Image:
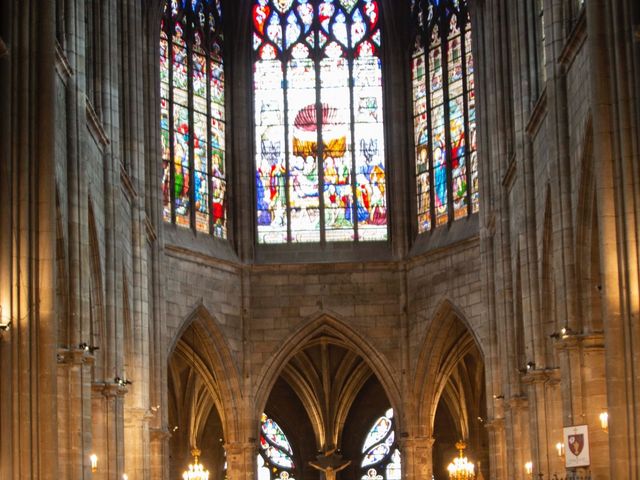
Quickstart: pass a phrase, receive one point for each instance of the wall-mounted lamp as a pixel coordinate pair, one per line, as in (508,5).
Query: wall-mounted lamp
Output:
(528,468)
(122,382)
(88,348)
(560,449)
(564,333)
(529,367)
(94,462)
(498,397)
(604,421)
(125,476)
(5,325)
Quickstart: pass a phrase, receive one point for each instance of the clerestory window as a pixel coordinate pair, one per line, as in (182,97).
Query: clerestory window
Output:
(192,116)
(320,173)
(444,113)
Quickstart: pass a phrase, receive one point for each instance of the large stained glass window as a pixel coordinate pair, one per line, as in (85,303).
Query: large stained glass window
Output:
(275,460)
(319,154)
(192,118)
(381,457)
(444,113)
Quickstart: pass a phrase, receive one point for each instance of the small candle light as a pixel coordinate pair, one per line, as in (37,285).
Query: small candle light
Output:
(604,421)
(94,462)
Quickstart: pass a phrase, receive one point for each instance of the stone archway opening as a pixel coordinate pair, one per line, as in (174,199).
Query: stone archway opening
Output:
(326,399)
(195,415)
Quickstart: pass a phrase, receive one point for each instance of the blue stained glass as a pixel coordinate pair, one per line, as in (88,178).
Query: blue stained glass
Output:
(293,30)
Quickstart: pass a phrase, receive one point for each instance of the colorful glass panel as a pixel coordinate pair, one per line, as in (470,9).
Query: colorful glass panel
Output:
(320,162)
(192,122)
(276,454)
(381,458)
(444,113)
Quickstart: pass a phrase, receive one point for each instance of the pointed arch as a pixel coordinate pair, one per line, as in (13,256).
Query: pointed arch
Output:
(215,363)
(338,332)
(448,339)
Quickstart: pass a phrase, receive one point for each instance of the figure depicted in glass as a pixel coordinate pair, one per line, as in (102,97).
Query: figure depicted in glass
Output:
(192,118)
(320,171)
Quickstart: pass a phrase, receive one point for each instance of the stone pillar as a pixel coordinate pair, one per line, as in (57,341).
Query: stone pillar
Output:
(497,450)
(107,400)
(584,392)
(517,439)
(74,413)
(544,415)
(241,460)
(417,457)
(137,442)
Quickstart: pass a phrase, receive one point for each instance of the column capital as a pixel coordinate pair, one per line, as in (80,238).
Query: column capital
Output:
(109,389)
(74,357)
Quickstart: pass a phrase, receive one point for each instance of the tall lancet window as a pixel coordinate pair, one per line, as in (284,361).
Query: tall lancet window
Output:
(192,118)
(381,457)
(444,113)
(319,153)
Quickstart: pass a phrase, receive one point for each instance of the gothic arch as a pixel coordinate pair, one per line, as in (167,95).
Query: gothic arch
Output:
(448,339)
(224,371)
(339,333)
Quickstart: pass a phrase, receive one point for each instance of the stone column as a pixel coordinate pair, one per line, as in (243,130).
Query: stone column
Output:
(584,392)
(417,457)
(544,415)
(74,413)
(108,433)
(518,438)
(497,450)
(241,460)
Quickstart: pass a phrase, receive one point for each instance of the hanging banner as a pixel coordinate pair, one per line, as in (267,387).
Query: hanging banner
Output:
(576,446)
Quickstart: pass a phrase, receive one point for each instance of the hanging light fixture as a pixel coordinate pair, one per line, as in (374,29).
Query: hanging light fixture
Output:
(460,468)
(196,471)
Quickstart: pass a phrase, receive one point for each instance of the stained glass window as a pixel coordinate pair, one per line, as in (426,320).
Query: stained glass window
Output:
(192,120)
(444,112)
(275,460)
(319,155)
(381,457)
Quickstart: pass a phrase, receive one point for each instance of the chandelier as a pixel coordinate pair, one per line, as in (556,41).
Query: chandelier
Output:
(460,468)
(196,471)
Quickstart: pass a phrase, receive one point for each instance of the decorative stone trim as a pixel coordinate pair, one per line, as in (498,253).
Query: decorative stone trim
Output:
(95,126)
(62,64)
(538,114)
(127,184)
(574,43)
